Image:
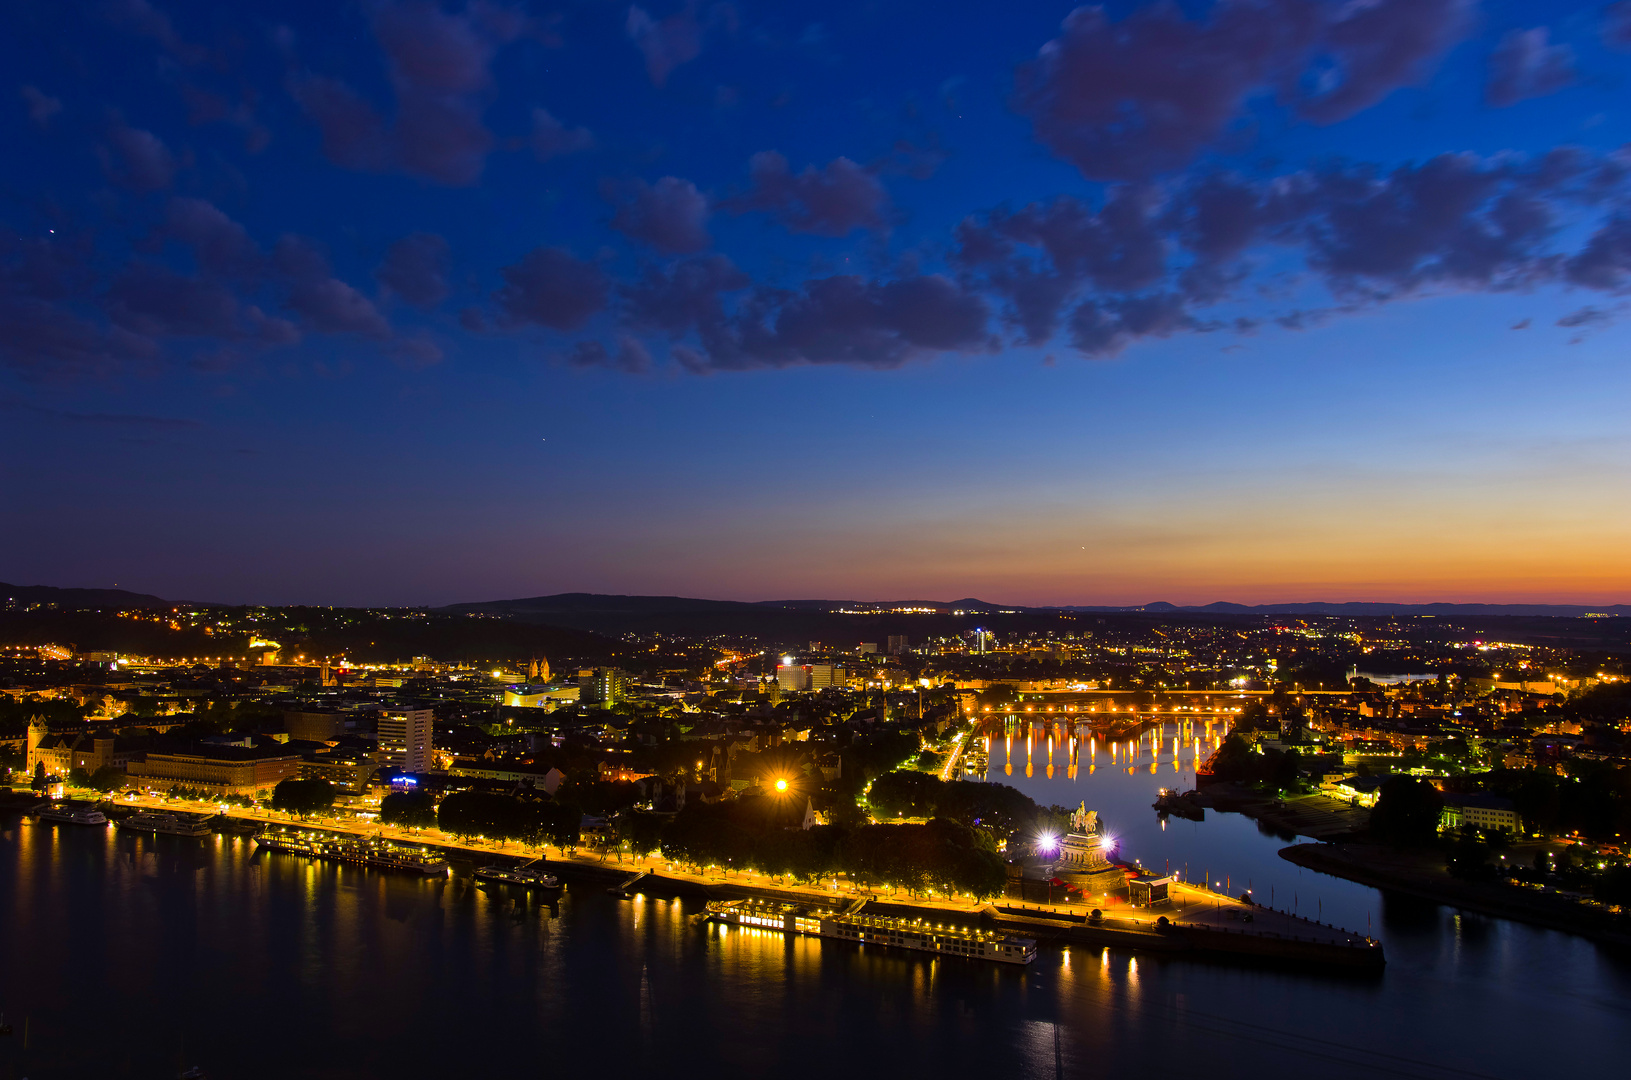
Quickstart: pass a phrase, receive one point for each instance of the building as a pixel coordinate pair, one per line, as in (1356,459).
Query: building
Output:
(348,770)
(405,739)
(604,686)
(897,644)
(1490,813)
(85,749)
(221,770)
(314,725)
(790,677)
(539,697)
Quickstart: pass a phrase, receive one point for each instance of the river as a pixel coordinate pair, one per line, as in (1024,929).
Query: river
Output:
(135,956)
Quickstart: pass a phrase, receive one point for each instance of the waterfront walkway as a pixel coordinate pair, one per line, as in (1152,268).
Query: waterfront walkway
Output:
(1191,910)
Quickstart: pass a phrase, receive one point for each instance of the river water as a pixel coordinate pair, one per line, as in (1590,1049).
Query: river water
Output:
(134,956)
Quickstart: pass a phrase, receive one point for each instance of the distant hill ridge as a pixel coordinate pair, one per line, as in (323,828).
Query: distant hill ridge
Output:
(609,604)
(614,604)
(79,598)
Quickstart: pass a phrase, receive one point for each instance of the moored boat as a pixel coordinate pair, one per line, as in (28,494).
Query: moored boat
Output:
(1186,805)
(527,876)
(71,814)
(369,851)
(970,943)
(167,822)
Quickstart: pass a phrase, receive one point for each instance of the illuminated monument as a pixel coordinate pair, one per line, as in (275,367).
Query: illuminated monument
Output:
(1082,857)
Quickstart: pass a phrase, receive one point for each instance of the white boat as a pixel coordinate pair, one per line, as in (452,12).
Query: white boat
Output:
(528,876)
(68,814)
(972,943)
(168,822)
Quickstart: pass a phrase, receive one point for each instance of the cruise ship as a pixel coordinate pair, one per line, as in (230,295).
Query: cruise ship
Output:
(863,929)
(167,822)
(364,851)
(69,814)
(529,876)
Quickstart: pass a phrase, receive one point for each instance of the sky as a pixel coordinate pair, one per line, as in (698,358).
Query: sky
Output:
(414,303)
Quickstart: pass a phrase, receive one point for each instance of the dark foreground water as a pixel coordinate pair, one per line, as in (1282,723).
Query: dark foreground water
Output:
(135,956)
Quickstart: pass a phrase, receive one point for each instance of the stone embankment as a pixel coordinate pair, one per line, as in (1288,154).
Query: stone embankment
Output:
(1422,874)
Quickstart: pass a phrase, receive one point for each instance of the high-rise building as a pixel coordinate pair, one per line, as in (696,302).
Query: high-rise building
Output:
(897,644)
(791,677)
(607,685)
(405,739)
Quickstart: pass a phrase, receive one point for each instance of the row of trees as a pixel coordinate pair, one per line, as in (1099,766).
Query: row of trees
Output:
(507,817)
(743,835)
(997,807)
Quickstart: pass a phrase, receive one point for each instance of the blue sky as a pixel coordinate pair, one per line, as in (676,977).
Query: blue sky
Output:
(411,303)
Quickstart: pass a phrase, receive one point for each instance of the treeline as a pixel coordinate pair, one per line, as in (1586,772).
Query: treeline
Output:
(1237,760)
(745,835)
(508,817)
(996,807)
(1593,800)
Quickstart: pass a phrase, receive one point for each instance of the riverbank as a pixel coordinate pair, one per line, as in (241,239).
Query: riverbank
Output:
(1318,817)
(1421,873)
(1197,922)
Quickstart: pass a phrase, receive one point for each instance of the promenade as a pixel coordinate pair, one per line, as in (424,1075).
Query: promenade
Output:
(1196,919)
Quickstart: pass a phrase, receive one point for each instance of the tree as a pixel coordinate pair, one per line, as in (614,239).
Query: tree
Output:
(641,831)
(107,778)
(408,810)
(39,776)
(561,825)
(1407,811)
(302,797)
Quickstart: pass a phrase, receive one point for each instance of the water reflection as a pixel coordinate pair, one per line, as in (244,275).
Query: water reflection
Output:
(139,955)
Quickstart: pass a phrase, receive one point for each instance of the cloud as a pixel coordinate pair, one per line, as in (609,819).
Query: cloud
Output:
(220,245)
(665,43)
(551,139)
(139,159)
(1616,29)
(551,287)
(1605,261)
(1146,261)
(1106,327)
(157,302)
(1525,65)
(1121,100)
(1128,99)
(1585,316)
(1122,247)
(439,67)
(354,135)
(833,200)
(323,302)
(415,268)
(629,355)
(140,17)
(670,215)
(41,106)
(1375,47)
(39,339)
(844,320)
(416,352)
(684,296)
(1453,218)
